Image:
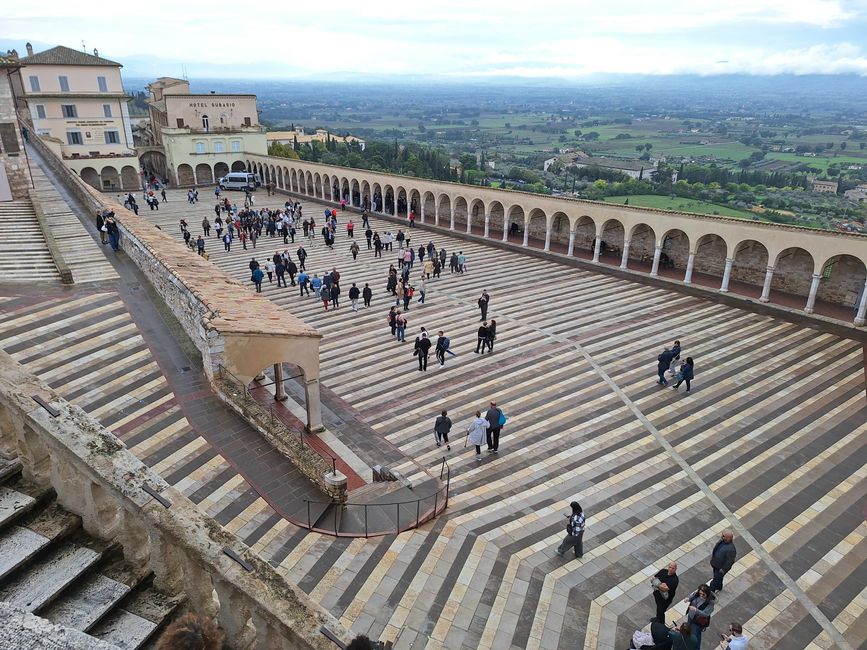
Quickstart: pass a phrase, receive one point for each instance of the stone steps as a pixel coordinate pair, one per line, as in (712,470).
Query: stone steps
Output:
(24,255)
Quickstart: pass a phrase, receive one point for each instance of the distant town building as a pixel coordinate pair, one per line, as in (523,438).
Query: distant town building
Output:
(859,193)
(632,168)
(829,187)
(194,139)
(14,179)
(289,138)
(77,103)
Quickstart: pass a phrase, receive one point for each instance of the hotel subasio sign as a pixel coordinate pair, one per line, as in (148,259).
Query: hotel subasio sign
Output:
(212,104)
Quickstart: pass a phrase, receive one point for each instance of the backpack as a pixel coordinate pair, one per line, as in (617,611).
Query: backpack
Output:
(444,343)
(502,420)
(390,318)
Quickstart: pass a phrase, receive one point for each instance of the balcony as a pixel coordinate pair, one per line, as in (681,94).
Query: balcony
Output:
(94,155)
(226,130)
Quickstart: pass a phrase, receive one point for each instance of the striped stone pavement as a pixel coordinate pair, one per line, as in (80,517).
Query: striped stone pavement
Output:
(771,442)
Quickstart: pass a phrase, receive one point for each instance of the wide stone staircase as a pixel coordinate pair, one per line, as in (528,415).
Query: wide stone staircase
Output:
(52,569)
(24,255)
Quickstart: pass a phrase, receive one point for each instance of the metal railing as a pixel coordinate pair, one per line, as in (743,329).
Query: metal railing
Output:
(275,418)
(368,517)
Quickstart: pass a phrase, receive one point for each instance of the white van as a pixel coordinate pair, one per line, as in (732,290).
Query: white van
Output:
(239,181)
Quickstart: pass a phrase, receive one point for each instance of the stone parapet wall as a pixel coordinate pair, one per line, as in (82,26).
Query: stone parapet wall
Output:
(48,234)
(98,479)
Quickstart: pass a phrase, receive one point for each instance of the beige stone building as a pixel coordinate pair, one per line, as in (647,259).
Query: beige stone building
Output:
(825,186)
(193,139)
(14,177)
(77,103)
(320,135)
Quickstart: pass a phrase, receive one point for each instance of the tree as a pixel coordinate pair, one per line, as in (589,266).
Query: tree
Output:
(648,146)
(842,146)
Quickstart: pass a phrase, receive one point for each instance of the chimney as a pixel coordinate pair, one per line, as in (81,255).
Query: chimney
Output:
(14,54)
(29,49)
(95,52)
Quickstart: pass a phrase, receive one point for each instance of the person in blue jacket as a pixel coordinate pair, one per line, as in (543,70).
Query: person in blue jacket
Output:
(685,374)
(257,279)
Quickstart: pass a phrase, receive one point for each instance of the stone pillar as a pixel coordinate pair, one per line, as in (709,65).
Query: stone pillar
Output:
(487,225)
(597,248)
(452,222)
(727,274)
(766,288)
(506,223)
(811,299)
(526,241)
(421,211)
(279,391)
(469,222)
(437,214)
(862,308)
(624,259)
(571,248)
(657,253)
(547,238)
(690,263)
(314,406)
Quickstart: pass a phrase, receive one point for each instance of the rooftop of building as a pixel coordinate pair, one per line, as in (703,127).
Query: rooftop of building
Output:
(9,62)
(62,55)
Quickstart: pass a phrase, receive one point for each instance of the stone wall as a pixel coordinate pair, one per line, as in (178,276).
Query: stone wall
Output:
(15,162)
(98,479)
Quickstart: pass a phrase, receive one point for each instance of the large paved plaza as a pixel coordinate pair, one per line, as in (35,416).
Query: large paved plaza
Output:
(770,443)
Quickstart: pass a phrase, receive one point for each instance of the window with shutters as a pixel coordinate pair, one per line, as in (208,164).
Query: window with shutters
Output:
(112,137)
(103,86)
(34,83)
(64,83)
(69,110)
(40,111)
(74,137)
(106,110)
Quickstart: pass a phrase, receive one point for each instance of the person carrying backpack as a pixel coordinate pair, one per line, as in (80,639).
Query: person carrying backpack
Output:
(574,532)
(442,347)
(496,418)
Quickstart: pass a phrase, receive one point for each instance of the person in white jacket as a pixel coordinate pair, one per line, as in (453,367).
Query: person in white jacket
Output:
(476,433)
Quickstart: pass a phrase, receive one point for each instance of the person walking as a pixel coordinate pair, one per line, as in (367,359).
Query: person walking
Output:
(392,319)
(462,262)
(492,335)
(442,347)
(685,374)
(113,232)
(354,250)
(325,295)
(664,583)
(280,271)
(316,283)
(421,291)
(335,295)
(206,227)
(377,246)
(302,284)
(482,341)
(722,558)
(484,299)
(257,279)
(663,363)
(200,245)
(353,296)
(101,227)
(368,235)
(302,256)
(291,268)
(227,242)
(700,604)
(429,267)
(675,351)
(408,293)
(269,269)
(735,639)
(442,426)
(496,418)
(476,434)
(367,294)
(401,323)
(574,532)
(422,349)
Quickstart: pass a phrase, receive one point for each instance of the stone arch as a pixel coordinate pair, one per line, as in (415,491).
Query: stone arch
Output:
(585,233)
(536,227)
(388,206)
(401,205)
(415,203)
(460,213)
(344,191)
(376,199)
(186,175)
(515,222)
(429,207)
(90,176)
(327,187)
(273,178)
(793,271)
(710,255)
(280,178)
(354,194)
(286,178)
(109,178)
(476,216)
(238,166)
(317,185)
(293,180)
(365,193)
(498,218)
(220,169)
(203,174)
(261,172)
(559,227)
(152,162)
(843,278)
(675,249)
(445,209)
(612,235)
(308,184)
(130,180)
(751,259)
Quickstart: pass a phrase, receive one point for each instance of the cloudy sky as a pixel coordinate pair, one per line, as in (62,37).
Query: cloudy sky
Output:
(568,38)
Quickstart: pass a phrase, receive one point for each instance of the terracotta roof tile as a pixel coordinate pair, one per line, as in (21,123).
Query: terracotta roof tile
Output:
(61,55)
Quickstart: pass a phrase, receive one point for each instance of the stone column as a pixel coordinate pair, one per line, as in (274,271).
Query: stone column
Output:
(436,214)
(421,211)
(279,391)
(690,263)
(862,308)
(452,222)
(469,222)
(597,248)
(657,253)
(624,259)
(727,274)
(487,224)
(766,288)
(314,406)
(811,299)
(547,238)
(506,223)
(571,248)
(526,234)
